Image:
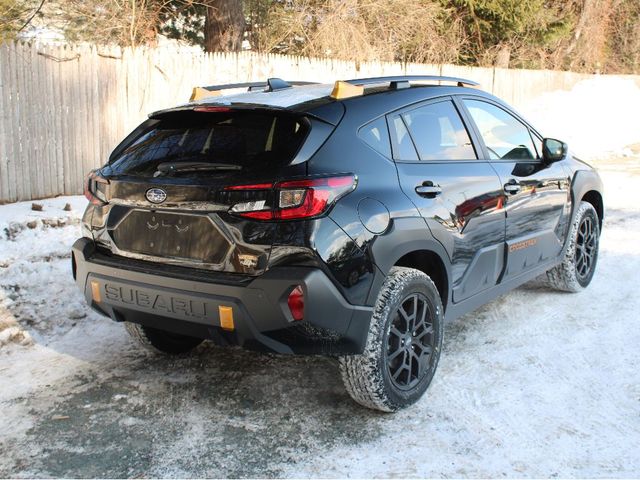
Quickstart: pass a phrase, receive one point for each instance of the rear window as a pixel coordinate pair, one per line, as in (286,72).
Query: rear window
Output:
(255,140)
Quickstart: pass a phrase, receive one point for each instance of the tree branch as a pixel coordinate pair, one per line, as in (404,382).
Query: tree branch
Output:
(32,16)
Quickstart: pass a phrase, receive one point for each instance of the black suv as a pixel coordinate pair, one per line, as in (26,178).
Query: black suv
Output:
(348,219)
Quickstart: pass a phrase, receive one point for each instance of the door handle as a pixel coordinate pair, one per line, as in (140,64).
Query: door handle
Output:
(512,187)
(428,189)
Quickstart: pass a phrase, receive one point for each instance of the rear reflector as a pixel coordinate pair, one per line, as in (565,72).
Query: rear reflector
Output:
(226,317)
(296,303)
(95,291)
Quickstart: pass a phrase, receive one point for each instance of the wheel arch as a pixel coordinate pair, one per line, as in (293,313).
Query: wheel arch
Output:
(595,198)
(409,244)
(587,186)
(430,263)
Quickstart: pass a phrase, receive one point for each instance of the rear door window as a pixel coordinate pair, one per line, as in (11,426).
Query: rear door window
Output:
(403,148)
(438,132)
(256,140)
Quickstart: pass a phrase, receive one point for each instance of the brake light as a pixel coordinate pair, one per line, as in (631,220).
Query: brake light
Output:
(95,189)
(293,199)
(296,303)
(211,109)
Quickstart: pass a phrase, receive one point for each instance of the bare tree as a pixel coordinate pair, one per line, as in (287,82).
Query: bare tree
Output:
(360,30)
(16,15)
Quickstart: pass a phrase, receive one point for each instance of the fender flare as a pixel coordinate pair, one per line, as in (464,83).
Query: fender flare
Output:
(583,182)
(405,235)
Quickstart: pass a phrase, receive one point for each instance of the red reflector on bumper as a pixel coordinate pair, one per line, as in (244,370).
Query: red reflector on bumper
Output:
(296,303)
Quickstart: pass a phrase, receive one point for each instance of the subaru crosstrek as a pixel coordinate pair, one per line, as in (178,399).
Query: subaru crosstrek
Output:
(350,220)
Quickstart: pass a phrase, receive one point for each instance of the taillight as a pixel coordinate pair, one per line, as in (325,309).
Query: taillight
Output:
(295,301)
(95,189)
(292,199)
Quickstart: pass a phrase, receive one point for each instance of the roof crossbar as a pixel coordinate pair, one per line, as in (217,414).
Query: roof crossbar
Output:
(402,81)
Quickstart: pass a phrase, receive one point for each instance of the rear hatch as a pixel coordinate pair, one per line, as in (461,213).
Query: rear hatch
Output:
(166,193)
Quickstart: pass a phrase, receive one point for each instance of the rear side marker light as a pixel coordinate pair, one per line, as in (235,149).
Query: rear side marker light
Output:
(95,291)
(296,303)
(294,199)
(226,317)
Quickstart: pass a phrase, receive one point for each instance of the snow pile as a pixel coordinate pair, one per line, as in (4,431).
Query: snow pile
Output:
(21,228)
(34,250)
(52,209)
(598,117)
(10,330)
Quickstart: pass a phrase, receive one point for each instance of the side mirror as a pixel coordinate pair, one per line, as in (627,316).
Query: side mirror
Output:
(553,150)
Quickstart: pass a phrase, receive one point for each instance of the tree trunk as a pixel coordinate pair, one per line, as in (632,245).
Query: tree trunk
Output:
(223,26)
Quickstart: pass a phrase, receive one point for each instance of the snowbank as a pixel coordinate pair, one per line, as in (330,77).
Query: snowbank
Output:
(20,213)
(598,117)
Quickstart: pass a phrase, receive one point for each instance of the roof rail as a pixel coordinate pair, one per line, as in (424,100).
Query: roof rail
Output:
(402,81)
(271,85)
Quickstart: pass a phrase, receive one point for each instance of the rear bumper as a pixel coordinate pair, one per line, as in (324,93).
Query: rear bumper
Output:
(191,305)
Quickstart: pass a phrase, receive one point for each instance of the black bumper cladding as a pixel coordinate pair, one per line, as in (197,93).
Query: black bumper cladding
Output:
(254,315)
(159,301)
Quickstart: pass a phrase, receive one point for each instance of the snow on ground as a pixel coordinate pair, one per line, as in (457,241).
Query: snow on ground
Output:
(534,384)
(597,118)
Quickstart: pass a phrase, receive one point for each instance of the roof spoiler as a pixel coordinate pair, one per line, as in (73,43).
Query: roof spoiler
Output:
(271,85)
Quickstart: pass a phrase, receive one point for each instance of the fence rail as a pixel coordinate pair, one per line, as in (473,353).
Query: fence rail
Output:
(63,108)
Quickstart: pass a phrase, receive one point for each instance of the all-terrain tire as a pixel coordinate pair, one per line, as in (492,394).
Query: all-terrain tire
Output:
(159,341)
(367,377)
(573,274)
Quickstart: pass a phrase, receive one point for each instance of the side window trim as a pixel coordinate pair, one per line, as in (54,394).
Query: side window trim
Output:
(537,141)
(391,128)
(469,127)
(474,133)
(460,101)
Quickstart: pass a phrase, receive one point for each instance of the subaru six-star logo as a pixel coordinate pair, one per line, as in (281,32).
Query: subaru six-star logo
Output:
(156,195)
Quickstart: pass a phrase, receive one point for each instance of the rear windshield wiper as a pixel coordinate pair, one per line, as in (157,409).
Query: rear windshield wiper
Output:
(168,168)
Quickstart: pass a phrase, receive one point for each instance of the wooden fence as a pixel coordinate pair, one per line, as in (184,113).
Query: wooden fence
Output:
(62,109)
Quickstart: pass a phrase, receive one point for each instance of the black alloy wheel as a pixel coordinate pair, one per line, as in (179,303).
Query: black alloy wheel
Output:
(410,342)
(586,248)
